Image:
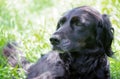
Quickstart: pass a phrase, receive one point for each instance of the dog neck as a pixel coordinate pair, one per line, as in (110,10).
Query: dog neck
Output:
(88,52)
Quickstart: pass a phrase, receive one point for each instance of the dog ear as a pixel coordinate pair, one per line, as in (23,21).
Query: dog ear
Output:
(105,34)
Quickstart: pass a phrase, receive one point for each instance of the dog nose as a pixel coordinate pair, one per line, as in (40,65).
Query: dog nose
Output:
(55,40)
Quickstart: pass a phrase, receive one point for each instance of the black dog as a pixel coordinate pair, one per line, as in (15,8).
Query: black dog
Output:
(84,36)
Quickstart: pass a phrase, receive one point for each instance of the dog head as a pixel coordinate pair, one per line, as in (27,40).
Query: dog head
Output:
(83,28)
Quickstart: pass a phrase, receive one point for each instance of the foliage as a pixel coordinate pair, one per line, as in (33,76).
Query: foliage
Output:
(31,22)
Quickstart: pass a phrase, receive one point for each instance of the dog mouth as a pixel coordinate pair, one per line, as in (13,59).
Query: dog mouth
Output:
(64,46)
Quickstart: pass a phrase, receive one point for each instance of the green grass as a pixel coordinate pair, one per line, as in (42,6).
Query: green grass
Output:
(31,22)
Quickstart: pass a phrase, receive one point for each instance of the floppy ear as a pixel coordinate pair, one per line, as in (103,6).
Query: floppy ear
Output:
(105,35)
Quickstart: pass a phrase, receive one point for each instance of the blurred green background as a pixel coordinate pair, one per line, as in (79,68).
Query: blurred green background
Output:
(31,23)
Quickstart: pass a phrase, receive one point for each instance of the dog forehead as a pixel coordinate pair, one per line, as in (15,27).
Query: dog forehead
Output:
(84,17)
(84,12)
(73,12)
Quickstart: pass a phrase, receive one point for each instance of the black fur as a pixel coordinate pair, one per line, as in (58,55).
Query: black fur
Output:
(85,37)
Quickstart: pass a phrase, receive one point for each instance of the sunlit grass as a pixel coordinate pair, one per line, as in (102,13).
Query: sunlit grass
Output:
(31,22)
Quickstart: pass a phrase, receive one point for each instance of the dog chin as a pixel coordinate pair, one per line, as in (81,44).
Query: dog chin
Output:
(61,49)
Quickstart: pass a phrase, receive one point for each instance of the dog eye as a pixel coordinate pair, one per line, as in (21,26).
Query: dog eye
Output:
(75,21)
(62,21)
(77,24)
